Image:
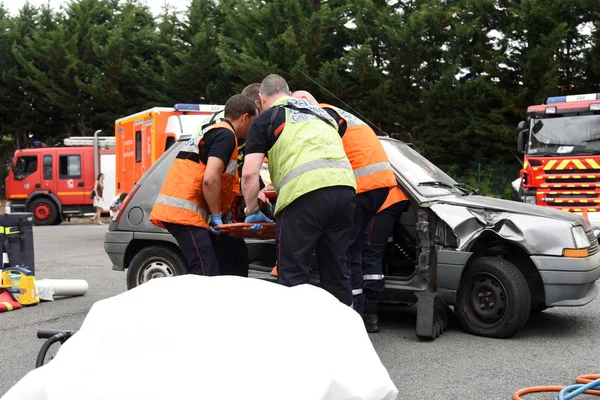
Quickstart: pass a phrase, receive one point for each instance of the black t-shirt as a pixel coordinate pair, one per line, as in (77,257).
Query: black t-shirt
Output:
(261,141)
(218,142)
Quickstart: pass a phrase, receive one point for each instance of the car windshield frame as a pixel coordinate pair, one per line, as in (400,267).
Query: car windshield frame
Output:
(418,172)
(564,135)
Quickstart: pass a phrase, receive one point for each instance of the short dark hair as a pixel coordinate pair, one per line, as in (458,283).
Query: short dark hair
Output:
(274,84)
(122,196)
(252,91)
(238,105)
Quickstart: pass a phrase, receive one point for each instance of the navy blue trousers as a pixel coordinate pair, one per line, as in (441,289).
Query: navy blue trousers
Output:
(367,205)
(197,248)
(317,222)
(380,229)
(232,254)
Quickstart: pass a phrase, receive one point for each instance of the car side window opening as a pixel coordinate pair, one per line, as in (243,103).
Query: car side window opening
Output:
(138,146)
(25,166)
(48,166)
(70,166)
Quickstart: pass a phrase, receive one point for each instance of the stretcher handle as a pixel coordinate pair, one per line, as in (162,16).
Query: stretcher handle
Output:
(48,333)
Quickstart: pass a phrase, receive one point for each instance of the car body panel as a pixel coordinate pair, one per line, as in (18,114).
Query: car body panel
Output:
(541,232)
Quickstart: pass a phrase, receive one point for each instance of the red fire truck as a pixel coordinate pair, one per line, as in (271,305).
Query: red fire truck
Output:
(54,183)
(560,141)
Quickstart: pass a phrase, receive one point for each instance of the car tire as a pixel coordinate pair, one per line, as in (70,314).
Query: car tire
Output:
(44,210)
(493,299)
(152,263)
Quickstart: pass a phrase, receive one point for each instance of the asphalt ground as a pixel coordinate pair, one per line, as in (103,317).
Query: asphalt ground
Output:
(555,346)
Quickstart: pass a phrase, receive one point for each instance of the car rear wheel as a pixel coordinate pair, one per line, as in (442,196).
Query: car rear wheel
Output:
(45,211)
(152,263)
(493,299)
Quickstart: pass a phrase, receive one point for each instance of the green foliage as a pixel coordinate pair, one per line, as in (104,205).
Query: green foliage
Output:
(454,77)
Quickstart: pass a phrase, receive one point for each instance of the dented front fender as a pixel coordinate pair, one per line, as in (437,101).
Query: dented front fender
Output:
(538,235)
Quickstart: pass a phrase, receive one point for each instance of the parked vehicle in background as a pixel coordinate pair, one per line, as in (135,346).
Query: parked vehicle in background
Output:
(497,260)
(143,137)
(560,143)
(54,183)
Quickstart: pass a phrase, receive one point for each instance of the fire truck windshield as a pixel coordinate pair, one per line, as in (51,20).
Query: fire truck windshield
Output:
(565,135)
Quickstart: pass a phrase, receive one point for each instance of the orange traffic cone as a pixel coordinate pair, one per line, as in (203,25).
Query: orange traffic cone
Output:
(274,270)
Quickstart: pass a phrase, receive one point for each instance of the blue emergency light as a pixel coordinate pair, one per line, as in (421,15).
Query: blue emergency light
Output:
(572,98)
(187,107)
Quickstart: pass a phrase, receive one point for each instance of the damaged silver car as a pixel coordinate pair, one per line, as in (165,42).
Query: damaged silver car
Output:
(497,260)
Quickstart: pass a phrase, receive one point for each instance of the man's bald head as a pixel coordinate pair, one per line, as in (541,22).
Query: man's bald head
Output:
(274,84)
(272,88)
(304,95)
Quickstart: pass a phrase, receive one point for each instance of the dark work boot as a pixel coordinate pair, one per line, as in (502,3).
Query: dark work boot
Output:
(370,316)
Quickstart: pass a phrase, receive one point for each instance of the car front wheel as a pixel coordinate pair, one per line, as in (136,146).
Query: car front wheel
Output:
(493,299)
(152,263)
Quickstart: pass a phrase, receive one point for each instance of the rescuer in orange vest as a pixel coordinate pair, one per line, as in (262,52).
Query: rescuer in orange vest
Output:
(201,184)
(379,229)
(374,179)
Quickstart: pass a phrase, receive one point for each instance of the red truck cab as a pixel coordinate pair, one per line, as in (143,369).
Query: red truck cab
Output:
(54,183)
(560,143)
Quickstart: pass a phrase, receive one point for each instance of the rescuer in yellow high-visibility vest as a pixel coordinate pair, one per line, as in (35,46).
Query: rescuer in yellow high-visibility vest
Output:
(374,179)
(314,183)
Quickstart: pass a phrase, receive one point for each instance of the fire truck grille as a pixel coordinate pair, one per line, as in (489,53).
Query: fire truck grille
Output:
(569,171)
(571,195)
(579,203)
(570,179)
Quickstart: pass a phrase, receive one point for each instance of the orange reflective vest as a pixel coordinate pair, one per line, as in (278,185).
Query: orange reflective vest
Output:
(369,161)
(396,195)
(180,200)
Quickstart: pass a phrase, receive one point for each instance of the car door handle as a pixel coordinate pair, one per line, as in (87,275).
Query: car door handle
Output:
(37,186)
(80,184)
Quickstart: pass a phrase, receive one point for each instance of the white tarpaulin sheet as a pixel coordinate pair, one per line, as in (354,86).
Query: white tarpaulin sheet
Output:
(193,337)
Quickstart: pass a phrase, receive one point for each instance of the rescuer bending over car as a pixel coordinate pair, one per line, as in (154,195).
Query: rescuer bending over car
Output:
(314,183)
(201,184)
(374,179)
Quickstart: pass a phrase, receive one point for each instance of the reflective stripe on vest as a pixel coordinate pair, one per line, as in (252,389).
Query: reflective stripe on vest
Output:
(6,230)
(310,166)
(308,155)
(371,169)
(180,200)
(231,167)
(181,203)
(367,156)
(373,277)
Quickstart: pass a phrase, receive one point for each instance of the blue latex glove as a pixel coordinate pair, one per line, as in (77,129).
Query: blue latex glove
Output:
(215,219)
(257,217)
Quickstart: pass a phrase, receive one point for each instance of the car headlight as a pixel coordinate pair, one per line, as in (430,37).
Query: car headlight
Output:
(529,199)
(581,239)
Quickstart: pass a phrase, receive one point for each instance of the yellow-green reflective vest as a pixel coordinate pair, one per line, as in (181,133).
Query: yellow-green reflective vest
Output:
(308,155)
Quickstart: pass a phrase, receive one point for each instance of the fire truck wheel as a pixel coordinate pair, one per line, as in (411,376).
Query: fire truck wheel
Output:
(152,263)
(44,211)
(493,299)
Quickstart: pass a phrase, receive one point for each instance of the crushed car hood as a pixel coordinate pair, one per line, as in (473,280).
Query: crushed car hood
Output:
(539,230)
(491,203)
